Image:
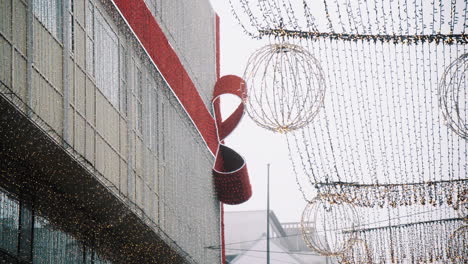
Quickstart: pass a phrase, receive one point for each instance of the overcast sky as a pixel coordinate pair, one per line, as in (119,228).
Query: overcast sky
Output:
(257,145)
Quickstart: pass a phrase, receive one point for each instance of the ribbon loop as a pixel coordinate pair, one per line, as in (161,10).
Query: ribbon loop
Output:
(230,173)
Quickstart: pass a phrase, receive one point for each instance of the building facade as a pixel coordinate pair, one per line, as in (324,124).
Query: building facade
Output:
(99,160)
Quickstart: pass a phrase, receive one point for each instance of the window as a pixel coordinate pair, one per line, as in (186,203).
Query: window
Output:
(153,117)
(138,93)
(71,27)
(123,79)
(51,245)
(49,12)
(106,59)
(9,223)
(90,39)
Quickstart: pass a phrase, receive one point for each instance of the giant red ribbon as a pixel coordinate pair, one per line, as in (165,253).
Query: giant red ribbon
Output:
(230,171)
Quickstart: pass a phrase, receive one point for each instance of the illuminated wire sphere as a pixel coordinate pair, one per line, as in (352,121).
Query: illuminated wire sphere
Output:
(457,248)
(328,228)
(285,87)
(453,96)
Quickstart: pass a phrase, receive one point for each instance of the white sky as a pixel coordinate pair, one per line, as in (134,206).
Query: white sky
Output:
(257,145)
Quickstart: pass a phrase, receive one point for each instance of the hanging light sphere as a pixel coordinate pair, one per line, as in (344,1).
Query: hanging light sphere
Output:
(285,87)
(457,248)
(453,95)
(328,228)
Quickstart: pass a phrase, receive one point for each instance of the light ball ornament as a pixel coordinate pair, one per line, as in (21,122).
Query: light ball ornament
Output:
(285,87)
(452,95)
(328,227)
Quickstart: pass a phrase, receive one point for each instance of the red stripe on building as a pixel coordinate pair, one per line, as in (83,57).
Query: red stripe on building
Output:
(151,36)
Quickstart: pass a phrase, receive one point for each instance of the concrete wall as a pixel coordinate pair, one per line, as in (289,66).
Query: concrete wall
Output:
(158,162)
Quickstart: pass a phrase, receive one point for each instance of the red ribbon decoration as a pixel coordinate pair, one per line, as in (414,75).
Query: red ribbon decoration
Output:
(230,174)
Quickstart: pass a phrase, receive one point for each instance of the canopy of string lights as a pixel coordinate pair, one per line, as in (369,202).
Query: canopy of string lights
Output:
(391,137)
(403,21)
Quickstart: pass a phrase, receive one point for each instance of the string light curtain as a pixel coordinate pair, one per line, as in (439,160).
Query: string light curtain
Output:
(382,143)
(425,21)
(381,131)
(413,234)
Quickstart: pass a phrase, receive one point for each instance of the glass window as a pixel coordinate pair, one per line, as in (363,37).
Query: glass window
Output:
(106,59)
(71,33)
(89,255)
(123,79)
(9,223)
(153,118)
(138,100)
(51,245)
(90,39)
(49,12)
(99,260)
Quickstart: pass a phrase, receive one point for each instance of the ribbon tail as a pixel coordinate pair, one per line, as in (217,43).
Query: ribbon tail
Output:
(230,174)
(231,177)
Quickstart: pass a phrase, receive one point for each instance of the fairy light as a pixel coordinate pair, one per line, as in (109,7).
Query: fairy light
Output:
(411,165)
(440,240)
(380,143)
(322,224)
(282,21)
(285,87)
(450,91)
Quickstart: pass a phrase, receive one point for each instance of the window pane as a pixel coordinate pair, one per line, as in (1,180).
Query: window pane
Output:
(71,34)
(139,95)
(90,20)
(89,254)
(9,223)
(99,260)
(123,79)
(123,97)
(54,246)
(154,118)
(90,56)
(140,117)
(49,12)
(123,63)
(107,60)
